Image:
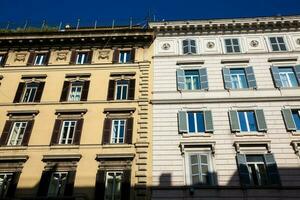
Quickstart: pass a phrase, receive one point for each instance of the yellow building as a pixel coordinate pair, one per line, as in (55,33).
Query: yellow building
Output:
(75,113)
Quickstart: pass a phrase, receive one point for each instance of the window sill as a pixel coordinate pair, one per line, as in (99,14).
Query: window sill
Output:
(242,134)
(118,146)
(13,147)
(62,146)
(188,135)
(295,133)
(198,90)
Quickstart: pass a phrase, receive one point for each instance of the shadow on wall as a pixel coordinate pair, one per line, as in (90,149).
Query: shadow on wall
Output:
(289,189)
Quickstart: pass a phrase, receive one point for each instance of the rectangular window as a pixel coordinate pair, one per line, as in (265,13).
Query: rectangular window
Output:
(192,79)
(195,122)
(296,118)
(189,46)
(5,182)
(30,92)
(125,57)
(199,169)
(247,121)
(67,132)
(40,59)
(113,185)
(57,184)
(121,89)
(81,58)
(17,133)
(118,131)
(257,170)
(75,91)
(238,79)
(287,77)
(232,45)
(277,44)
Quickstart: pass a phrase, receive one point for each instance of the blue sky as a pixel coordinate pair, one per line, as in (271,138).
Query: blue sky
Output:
(88,11)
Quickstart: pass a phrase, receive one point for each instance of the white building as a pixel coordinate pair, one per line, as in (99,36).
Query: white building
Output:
(226,105)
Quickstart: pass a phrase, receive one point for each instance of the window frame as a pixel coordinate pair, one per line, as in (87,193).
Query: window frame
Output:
(122,85)
(277,43)
(127,58)
(189,46)
(36,85)
(287,76)
(42,61)
(247,121)
(258,174)
(239,78)
(298,111)
(16,143)
(59,188)
(192,82)
(3,57)
(7,187)
(68,132)
(83,60)
(73,85)
(117,136)
(231,45)
(197,132)
(114,182)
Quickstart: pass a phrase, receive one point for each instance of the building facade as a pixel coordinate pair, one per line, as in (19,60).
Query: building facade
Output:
(226,102)
(75,114)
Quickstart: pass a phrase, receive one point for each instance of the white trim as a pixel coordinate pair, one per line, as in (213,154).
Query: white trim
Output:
(112,134)
(68,132)
(22,123)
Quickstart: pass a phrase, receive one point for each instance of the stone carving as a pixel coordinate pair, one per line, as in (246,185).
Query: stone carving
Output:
(166,46)
(210,45)
(20,57)
(254,43)
(61,56)
(298,41)
(103,55)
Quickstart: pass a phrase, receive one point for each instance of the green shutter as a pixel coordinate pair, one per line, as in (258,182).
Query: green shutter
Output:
(180,79)
(243,169)
(260,120)
(203,78)
(288,119)
(272,170)
(208,121)
(226,78)
(276,77)
(234,121)
(182,122)
(250,77)
(297,71)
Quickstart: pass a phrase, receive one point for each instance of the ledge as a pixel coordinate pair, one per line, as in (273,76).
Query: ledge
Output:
(100,157)
(283,59)
(254,143)
(83,75)
(70,111)
(22,112)
(61,157)
(30,76)
(229,61)
(190,62)
(122,74)
(14,158)
(118,110)
(197,144)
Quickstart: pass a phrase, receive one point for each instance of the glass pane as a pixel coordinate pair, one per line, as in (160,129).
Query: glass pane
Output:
(200,122)
(204,159)
(293,79)
(128,57)
(243,123)
(119,89)
(252,121)
(253,174)
(273,40)
(193,42)
(263,174)
(196,83)
(191,123)
(204,179)
(234,81)
(229,49)
(195,179)
(296,118)
(185,49)
(255,158)
(284,79)
(236,49)
(227,42)
(280,39)
(235,42)
(282,47)
(124,92)
(194,159)
(204,169)
(275,47)
(195,169)
(185,43)
(5,181)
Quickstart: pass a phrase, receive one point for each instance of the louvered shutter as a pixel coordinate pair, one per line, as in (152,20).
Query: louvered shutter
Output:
(100,184)
(297,71)
(182,122)
(13,184)
(85,91)
(192,44)
(116,55)
(131,89)
(234,121)
(226,78)
(6,132)
(243,169)
(39,92)
(129,130)
(65,91)
(19,92)
(28,132)
(276,77)
(111,90)
(260,120)
(56,132)
(125,186)
(106,131)
(208,121)
(78,132)
(31,58)
(203,78)
(44,183)
(180,79)
(288,119)
(69,188)
(272,170)
(251,77)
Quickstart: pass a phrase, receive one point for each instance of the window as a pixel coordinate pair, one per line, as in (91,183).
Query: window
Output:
(195,122)
(75,91)
(287,77)
(5,182)
(239,78)
(125,57)
(17,133)
(40,59)
(189,46)
(113,186)
(292,119)
(81,58)
(192,79)
(258,170)
(247,121)
(200,172)
(29,92)
(277,44)
(122,89)
(232,45)
(117,131)
(57,184)
(67,132)
(2,59)
(296,117)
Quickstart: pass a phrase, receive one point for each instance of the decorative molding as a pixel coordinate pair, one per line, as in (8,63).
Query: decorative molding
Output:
(254,43)
(190,62)
(14,158)
(230,61)
(35,76)
(165,46)
(255,144)
(20,57)
(81,75)
(70,111)
(210,45)
(296,146)
(22,112)
(119,110)
(123,156)
(298,41)
(61,56)
(62,157)
(283,59)
(103,54)
(118,74)
(197,145)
